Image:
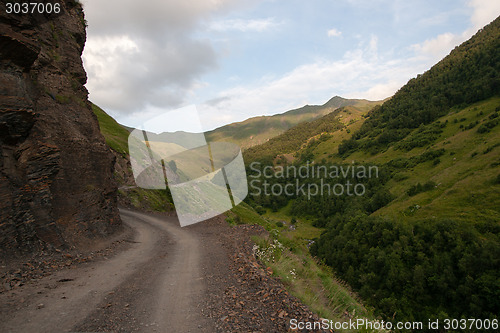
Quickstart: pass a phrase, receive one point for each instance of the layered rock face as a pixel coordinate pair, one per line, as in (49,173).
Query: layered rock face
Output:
(56,172)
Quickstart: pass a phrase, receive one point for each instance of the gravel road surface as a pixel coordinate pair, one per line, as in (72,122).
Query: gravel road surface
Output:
(162,278)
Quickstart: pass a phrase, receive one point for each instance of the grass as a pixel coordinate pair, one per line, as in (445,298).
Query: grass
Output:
(467,190)
(464,175)
(150,200)
(63,99)
(290,261)
(117,139)
(115,134)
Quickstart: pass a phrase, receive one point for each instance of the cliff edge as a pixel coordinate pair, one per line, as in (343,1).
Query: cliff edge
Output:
(56,171)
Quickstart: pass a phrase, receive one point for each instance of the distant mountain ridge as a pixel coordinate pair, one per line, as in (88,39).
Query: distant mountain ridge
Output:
(258,130)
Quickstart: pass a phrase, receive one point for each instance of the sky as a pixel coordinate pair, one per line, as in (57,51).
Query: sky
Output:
(236,59)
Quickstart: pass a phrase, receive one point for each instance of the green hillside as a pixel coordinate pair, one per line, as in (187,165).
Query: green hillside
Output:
(423,239)
(419,238)
(470,73)
(289,145)
(116,137)
(259,130)
(115,134)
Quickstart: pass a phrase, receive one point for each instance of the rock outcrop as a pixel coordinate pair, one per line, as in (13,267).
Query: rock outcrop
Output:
(56,172)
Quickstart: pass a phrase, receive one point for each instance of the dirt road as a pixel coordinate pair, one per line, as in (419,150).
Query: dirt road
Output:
(162,278)
(155,285)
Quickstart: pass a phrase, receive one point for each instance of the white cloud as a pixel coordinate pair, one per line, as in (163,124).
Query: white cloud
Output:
(142,59)
(361,73)
(484,11)
(258,25)
(378,91)
(127,73)
(139,55)
(368,3)
(373,46)
(154,17)
(334,33)
(440,46)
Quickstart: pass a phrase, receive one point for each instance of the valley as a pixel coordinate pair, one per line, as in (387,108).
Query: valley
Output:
(364,210)
(432,207)
(407,246)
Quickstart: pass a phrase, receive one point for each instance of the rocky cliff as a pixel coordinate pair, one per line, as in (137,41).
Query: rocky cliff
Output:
(56,182)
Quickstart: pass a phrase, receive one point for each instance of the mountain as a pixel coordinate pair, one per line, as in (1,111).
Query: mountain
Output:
(258,130)
(288,144)
(422,240)
(470,73)
(57,188)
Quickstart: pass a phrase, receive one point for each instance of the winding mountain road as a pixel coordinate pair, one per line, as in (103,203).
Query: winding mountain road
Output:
(155,285)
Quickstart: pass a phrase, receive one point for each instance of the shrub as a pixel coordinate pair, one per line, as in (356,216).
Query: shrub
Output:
(347,146)
(260,210)
(418,188)
(320,223)
(430,155)
(482,129)
(425,135)
(379,200)
(471,125)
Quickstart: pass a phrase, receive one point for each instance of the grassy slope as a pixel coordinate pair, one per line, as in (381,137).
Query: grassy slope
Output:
(117,139)
(115,134)
(465,173)
(258,130)
(292,142)
(306,278)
